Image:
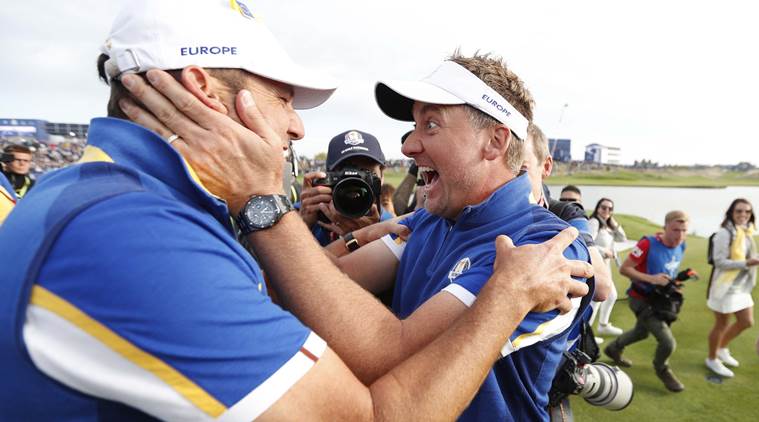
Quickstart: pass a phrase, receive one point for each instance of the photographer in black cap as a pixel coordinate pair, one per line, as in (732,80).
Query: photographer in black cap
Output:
(354,155)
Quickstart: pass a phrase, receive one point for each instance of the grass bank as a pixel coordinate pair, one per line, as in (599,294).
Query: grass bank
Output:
(732,400)
(662,179)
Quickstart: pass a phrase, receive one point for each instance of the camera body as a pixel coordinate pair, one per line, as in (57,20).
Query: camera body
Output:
(666,301)
(354,190)
(598,383)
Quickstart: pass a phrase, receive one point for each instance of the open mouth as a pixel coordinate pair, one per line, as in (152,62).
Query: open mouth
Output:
(429,176)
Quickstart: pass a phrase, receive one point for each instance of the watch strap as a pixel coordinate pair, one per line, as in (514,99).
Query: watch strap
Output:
(351,243)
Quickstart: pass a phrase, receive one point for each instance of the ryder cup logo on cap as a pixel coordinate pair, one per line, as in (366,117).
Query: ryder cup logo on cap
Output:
(353,143)
(174,34)
(353,138)
(449,84)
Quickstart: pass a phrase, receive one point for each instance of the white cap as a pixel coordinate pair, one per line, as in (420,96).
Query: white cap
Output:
(173,34)
(449,84)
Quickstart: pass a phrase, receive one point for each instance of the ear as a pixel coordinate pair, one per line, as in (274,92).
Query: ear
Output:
(547,166)
(203,86)
(498,144)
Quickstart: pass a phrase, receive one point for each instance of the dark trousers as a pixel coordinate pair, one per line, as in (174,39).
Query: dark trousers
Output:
(647,323)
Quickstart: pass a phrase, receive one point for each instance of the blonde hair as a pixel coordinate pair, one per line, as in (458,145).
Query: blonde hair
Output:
(493,71)
(539,142)
(679,216)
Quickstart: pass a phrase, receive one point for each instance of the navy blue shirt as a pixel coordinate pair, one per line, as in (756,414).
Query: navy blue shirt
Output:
(457,257)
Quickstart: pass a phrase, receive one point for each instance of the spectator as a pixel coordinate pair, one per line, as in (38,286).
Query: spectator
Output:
(144,306)
(571,193)
(605,231)
(350,149)
(735,258)
(16,170)
(386,198)
(653,262)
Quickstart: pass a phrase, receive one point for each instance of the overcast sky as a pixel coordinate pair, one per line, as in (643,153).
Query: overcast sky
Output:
(674,82)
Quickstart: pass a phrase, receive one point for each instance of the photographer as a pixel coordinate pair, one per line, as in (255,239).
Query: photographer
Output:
(653,262)
(354,150)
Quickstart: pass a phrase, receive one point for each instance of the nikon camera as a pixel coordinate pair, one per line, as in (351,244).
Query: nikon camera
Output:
(354,191)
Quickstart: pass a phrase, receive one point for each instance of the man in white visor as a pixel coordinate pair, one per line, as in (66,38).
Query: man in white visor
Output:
(471,117)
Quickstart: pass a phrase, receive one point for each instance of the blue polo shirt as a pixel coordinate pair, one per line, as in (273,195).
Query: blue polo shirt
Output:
(457,257)
(129,296)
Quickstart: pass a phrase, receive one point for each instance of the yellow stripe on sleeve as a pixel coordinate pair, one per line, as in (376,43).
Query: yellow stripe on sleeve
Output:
(181,384)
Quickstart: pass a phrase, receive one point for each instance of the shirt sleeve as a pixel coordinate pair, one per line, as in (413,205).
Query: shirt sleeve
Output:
(640,252)
(394,242)
(153,304)
(537,326)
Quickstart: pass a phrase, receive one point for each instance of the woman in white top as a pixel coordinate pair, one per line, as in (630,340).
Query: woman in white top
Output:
(605,231)
(734,276)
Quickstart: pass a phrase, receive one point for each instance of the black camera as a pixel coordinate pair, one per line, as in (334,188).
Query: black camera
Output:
(354,190)
(666,301)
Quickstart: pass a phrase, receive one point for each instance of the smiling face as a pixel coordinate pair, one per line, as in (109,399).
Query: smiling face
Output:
(605,209)
(742,214)
(448,151)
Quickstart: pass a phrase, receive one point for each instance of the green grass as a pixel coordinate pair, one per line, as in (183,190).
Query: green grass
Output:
(733,400)
(659,179)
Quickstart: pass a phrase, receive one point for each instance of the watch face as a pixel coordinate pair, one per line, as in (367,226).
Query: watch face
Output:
(262,212)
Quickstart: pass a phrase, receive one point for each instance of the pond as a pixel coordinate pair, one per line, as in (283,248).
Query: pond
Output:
(706,207)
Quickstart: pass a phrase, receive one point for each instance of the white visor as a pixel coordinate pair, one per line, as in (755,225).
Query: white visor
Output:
(449,84)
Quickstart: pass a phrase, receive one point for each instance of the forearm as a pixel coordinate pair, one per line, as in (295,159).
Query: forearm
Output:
(723,263)
(357,326)
(633,274)
(453,366)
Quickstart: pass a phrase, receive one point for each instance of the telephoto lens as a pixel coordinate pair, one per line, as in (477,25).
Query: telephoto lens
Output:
(606,386)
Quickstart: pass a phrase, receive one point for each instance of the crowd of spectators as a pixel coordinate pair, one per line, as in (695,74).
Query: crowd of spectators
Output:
(57,153)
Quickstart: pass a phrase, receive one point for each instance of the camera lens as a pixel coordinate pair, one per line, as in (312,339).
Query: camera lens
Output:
(352,197)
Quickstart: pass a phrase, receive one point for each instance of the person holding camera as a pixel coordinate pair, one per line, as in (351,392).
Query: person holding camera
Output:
(347,197)
(17,161)
(653,263)
(735,259)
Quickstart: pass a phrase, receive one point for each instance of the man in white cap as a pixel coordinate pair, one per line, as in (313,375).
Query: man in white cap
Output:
(471,118)
(126,296)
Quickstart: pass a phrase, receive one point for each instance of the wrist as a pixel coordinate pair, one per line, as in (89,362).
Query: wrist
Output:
(351,243)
